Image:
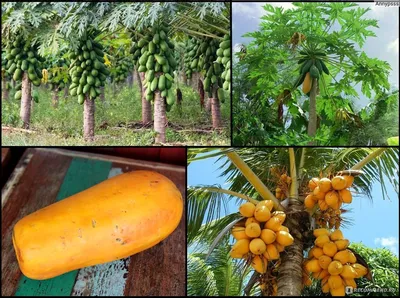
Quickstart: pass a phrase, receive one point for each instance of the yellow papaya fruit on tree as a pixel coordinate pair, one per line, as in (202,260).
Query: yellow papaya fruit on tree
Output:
(307,83)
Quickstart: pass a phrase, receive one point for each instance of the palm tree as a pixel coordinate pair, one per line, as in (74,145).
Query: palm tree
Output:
(252,180)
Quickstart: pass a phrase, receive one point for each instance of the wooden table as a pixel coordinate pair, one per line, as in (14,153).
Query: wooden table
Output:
(44,176)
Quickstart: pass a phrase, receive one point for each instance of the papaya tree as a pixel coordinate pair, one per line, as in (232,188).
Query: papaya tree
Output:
(300,194)
(22,47)
(312,68)
(207,54)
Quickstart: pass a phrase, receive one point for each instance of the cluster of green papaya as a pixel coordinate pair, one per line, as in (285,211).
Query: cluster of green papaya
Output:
(212,69)
(135,50)
(58,74)
(21,56)
(123,67)
(192,61)
(4,73)
(224,57)
(311,62)
(88,71)
(157,61)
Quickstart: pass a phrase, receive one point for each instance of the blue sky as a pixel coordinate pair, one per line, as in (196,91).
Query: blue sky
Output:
(376,223)
(246,17)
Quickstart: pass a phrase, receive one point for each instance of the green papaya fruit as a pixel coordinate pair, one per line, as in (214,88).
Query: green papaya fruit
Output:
(314,72)
(86,89)
(81,98)
(17,75)
(221,95)
(169,77)
(170,97)
(90,80)
(225,44)
(18,95)
(72,91)
(161,83)
(154,84)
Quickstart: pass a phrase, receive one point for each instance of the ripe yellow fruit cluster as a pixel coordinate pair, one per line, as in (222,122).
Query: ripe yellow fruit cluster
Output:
(283,187)
(329,193)
(262,236)
(331,262)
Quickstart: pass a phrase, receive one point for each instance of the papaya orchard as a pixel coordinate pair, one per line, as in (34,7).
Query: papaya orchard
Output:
(95,63)
(314,82)
(260,235)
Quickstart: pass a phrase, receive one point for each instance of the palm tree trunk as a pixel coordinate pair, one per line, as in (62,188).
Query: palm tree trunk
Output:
(26,99)
(215,109)
(4,94)
(312,118)
(290,269)
(159,117)
(55,97)
(146,104)
(88,119)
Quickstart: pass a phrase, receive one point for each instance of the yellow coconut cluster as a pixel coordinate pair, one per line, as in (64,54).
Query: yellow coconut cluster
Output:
(331,262)
(261,236)
(329,193)
(282,188)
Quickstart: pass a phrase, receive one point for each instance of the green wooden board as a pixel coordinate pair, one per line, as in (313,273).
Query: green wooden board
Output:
(82,174)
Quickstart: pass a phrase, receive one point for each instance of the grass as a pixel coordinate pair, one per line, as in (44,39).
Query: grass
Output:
(116,119)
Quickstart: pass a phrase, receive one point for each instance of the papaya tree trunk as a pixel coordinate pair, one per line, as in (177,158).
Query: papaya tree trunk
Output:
(55,98)
(26,99)
(4,93)
(312,118)
(215,109)
(159,118)
(88,119)
(66,91)
(146,104)
(200,88)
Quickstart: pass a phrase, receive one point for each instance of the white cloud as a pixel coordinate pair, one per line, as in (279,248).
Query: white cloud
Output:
(249,10)
(284,5)
(394,46)
(390,243)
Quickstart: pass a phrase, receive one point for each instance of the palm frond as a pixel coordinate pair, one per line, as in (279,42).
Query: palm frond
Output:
(203,207)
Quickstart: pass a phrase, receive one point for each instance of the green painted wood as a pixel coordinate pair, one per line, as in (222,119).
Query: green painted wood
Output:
(82,174)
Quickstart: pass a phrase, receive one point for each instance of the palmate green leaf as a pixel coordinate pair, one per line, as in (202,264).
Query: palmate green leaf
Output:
(314,20)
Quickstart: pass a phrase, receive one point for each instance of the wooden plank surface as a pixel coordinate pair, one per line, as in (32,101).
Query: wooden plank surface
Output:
(5,156)
(160,270)
(22,196)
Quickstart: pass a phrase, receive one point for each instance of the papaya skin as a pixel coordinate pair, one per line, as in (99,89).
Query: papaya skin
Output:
(114,219)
